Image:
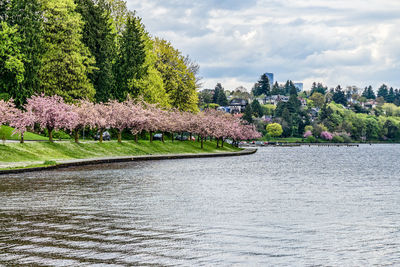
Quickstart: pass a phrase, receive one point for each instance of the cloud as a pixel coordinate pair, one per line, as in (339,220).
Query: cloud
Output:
(330,41)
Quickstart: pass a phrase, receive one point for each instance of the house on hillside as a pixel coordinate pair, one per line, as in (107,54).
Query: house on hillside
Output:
(237,105)
(275,99)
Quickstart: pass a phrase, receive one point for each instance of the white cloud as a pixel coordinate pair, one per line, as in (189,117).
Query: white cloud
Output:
(330,41)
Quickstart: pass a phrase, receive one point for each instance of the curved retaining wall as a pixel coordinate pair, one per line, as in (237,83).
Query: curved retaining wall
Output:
(94,161)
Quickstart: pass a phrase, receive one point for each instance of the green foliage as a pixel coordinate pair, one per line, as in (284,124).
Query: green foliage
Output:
(219,96)
(274,129)
(11,60)
(311,139)
(318,99)
(257,109)
(130,65)
(99,37)
(179,80)
(337,139)
(27,16)
(262,87)
(248,114)
(67,62)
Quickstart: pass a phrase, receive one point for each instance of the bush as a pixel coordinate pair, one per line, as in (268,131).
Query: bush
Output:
(58,134)
(346,138)
(337,139)
(311,139)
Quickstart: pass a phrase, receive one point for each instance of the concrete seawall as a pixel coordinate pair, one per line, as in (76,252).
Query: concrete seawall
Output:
(94,161)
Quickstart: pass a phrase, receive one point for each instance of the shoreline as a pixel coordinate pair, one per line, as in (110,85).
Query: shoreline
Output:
(95,161)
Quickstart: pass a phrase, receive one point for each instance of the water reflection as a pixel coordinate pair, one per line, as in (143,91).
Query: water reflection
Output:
(281,206)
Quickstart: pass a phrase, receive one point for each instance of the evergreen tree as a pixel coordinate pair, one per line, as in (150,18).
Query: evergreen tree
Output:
(248,114)
(339,96)
(256,108)
(98,36)
(217,89)
(368,93)
(383,91)
(263,86)
(292,89)
(276,90)
(391,96)
(130,63)
(319,88)
(67,62)
(27,16)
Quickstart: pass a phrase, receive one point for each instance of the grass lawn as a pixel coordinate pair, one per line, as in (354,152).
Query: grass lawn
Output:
(46,151)
(6,131)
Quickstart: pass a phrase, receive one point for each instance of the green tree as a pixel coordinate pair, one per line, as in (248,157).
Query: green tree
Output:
(131,58)
(257,109)
(99,37)
(248,114)
(179,80)
(339,96)
(263,86)
(11,60)
(67,62)
(383,91)
(27,16)
(319,88)
(318,99)
(274,129)
(276,90)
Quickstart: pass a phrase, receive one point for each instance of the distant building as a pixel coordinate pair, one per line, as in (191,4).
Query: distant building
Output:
(270,78)
(237,105)
(299,86)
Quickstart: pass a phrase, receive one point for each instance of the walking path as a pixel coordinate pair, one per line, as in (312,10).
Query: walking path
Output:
(91,161)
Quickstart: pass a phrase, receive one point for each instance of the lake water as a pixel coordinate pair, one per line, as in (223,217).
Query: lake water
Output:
(281,206)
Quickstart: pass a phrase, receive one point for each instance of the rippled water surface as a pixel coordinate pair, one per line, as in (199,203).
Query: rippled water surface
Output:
(281,206)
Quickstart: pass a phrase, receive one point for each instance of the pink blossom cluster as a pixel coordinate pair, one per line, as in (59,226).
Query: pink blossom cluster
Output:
(52,113)
(307,134)
(326,135)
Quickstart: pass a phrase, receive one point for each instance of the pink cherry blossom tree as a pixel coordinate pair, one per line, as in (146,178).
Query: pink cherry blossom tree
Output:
(86,113)
(51,113)
(102,118)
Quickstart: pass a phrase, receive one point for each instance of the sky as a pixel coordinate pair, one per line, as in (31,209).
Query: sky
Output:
(330,41)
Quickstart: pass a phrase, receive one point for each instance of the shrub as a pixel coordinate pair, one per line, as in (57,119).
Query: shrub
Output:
(326,135)
(307,134)
(337,139)
(274,129)
(346,138)
(311,139)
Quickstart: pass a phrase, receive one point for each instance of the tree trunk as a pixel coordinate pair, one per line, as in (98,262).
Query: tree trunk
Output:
(101,136)
(162,137)
(222,142)
(198,138)
(202,146)
(172,137)
(50,130)
(136,138)
(119,136)
(151,136)
(190,136)
(22,138)
(217,142)
(76,135)
(181,136)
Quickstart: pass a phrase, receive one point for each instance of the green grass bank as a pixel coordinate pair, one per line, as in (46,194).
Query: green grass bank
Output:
(46,153)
